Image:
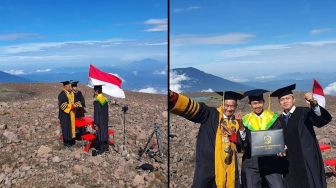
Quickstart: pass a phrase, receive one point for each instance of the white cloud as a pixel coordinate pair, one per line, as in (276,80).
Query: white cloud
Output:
(15,36)
(190,8)
(43,70)
(156,25)
(318,43)
(320,30)
(160,72)
(156,44)
(42,46)
(231,38)
(20,58)
(330,89)
(156,21)
(149,90)
(252,61)
(236,79)
(251,51)
(175,80)
(86,51)
(208,90)
(265,77)
(15,72)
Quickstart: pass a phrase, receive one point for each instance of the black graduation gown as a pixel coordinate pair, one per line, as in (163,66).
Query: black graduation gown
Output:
(256,168)
(101,120)
(305,164)
(204,176)
(79,112)
(64,118)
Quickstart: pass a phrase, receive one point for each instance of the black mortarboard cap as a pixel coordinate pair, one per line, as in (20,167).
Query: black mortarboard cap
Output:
(255,94)
(74,84)
(231,95)
(283,91)
(98,88)
(65,82)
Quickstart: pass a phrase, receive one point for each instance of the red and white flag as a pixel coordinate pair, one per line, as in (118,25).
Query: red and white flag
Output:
(318,94)
(111,83)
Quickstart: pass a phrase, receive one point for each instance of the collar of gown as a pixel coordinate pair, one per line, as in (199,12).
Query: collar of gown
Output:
(291,111)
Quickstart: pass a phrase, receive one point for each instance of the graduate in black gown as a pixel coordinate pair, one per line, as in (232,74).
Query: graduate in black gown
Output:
(305,164)
(79,110)
(79,100)
(216,159)
(256,169)
(100,117)
(66,114)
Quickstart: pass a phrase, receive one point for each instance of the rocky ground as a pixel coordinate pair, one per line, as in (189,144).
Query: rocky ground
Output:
(182,147)
(33,156)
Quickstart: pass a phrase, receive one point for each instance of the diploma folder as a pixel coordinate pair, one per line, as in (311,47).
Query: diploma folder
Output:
(267,143)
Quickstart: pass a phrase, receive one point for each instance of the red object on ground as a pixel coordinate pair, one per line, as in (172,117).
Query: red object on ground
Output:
(331,165)
(84,121)
(110,132)
(330,162)
(88,137)
(111,141)
(324,147)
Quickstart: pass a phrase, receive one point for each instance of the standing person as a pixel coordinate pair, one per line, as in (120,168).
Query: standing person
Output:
(100,117)
(216,160)
(79,111)
(306,167)
(79,100)
(66,114)
(255,169)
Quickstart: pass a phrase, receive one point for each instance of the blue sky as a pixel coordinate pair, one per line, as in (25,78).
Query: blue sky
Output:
(240,40)
(46,34)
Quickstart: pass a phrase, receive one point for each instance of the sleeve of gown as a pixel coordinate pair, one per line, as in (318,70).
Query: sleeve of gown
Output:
(319,121)
(96,112)
(82,99)
(242,141)
(188,108)
(63,103)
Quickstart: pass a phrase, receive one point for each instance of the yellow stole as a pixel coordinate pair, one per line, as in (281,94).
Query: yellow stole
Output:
(256,123)
(71,99)
(101,99)
(225,174)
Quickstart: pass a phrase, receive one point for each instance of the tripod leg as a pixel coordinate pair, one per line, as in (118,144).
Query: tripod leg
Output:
(147,144)
(158,138)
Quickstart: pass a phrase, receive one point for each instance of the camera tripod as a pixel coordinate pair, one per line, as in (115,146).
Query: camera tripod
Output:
(157,133)
(124,110)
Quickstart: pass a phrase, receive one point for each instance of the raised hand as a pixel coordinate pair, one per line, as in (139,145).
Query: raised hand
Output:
(309,97)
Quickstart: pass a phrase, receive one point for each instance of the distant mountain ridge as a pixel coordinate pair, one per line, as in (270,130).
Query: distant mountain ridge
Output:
(147,73)
(9,78)
(198,80)
(201,81)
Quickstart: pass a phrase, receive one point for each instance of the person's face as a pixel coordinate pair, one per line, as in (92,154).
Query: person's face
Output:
(229,107)
(74,88)
(287,102)
(67,87)
(257,106)
(95,93)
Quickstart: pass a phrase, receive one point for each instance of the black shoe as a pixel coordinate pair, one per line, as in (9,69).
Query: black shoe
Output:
(67,145)
(72,142)
(94,152)
(106,147)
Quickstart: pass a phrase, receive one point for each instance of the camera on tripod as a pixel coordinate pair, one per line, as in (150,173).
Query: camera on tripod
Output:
(124,108)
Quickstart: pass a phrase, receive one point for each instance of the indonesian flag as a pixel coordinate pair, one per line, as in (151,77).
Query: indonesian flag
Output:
(318,94)
(111,83)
